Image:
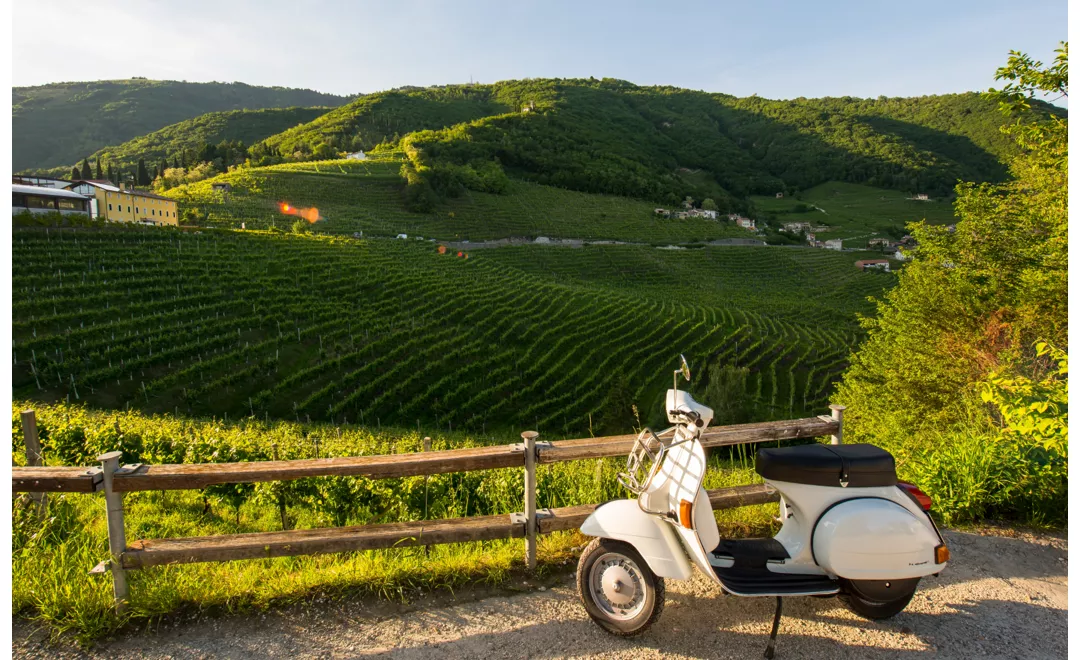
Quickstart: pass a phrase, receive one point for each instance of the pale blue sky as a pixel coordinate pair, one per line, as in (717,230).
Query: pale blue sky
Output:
(773,49)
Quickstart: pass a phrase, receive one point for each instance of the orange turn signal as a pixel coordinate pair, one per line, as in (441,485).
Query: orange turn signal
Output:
(686,514)
(941,554)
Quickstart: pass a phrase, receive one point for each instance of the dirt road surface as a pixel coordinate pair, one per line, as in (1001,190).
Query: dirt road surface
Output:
(1002,596)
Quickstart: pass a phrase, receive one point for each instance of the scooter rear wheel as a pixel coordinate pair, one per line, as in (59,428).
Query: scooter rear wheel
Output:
(617,588)
(878,599)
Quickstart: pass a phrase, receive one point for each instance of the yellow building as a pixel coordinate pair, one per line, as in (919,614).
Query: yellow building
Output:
(119,204)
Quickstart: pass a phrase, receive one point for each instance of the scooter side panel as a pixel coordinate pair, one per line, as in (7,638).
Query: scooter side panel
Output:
(655,539)
(874,539)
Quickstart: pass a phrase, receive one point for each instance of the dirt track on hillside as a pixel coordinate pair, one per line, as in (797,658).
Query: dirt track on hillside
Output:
(1004,595)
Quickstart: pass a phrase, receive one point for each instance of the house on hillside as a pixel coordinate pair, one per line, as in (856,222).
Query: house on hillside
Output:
(221,187)
(874,242)
(745,223)
(662,213)
(834,244)
(795,227)
(920,197)
(811,238)
(356,155)
(123,204)
(877,264)
(779,195)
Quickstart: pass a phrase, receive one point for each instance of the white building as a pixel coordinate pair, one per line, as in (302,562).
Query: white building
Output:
(834,244)
(746,223)
(41,181)
(358,155)
(39,199)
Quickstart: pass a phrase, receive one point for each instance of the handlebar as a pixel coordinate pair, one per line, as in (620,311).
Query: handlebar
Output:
(689,414)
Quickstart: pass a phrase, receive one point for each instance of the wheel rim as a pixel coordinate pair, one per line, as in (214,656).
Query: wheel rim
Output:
(617,586)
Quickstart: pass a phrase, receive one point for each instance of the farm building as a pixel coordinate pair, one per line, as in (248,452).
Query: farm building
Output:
(921,197)
(121,204)
(356,155)
(221,187)
(884,242)
(745,223)
(795,227)
(834,244)
(662,212)
(879,264)
(40,199)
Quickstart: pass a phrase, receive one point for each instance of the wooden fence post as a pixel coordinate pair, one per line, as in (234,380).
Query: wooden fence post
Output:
(114,507)
(838,415)
(33,451)
(530,498)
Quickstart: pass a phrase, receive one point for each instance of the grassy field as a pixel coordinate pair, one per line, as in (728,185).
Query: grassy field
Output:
(391,332)
(854,212)
(367,196)
(50,559)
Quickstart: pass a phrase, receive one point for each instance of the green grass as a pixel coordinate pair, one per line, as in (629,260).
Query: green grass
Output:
(367,196)
(50,559)
(855,213)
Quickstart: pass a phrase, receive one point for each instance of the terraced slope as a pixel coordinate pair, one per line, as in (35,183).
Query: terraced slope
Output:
(368,196)
(392,332)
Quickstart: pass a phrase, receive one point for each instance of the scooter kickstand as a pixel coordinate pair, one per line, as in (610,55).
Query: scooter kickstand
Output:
(770,648)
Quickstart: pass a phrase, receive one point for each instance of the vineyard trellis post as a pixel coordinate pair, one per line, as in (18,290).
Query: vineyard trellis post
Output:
(838,415)
(114,507)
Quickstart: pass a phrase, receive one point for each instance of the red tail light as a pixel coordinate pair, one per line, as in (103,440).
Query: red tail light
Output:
(921,498)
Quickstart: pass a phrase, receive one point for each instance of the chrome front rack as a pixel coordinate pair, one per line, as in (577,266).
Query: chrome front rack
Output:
(646,456)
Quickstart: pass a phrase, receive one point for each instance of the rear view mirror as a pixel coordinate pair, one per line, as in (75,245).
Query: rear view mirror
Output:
(685,368)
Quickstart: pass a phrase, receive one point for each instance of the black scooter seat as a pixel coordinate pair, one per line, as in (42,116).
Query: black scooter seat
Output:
(854,466)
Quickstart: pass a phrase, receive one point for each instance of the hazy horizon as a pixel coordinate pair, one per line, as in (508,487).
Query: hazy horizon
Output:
(772,50)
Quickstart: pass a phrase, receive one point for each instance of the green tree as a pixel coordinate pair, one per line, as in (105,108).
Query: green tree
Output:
(75,174)
(86,173)
(110,174)
(975,303)
(97,169)
(709,204)
(142,177)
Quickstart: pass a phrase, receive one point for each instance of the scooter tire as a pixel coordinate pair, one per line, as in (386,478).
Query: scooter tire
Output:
(655,593)
(863,597)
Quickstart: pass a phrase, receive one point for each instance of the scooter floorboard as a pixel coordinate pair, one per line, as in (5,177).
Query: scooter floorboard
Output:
(750,553)
(763,582)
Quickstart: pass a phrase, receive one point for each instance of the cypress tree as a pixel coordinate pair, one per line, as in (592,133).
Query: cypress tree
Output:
(109,173)
(86,173)
(75,175)
(175,163)
(142,177)
(97,173)
(163,166)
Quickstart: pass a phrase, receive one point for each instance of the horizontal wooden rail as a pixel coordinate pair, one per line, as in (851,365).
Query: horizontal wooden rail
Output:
(263,545)
(187,477)
(39,479)
(194,476)
(721,436)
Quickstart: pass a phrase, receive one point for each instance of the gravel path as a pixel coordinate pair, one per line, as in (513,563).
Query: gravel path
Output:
(1004,595)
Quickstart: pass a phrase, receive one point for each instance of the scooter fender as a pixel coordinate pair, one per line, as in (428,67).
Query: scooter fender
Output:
(871,538)
(623,520)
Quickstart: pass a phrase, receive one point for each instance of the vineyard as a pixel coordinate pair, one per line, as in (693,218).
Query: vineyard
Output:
(309,327)
(367,196)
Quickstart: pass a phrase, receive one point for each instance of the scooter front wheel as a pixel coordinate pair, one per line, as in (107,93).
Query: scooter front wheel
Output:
(617,588)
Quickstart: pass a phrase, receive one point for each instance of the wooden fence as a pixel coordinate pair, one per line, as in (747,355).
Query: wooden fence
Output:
(114,480)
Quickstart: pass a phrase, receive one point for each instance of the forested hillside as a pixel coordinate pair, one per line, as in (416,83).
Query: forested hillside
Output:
(659,143)
(184,140)
(62,123)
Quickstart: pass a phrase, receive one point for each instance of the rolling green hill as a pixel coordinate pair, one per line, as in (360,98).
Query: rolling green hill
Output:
(247,126)
(62,123)
(661,143)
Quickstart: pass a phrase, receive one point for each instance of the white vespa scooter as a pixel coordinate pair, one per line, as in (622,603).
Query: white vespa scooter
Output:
(849,528)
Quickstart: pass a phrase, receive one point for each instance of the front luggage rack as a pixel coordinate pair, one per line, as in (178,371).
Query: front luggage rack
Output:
(649,450)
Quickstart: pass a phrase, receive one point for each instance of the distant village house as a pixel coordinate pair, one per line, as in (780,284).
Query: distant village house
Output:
(795,227)
(834,244)
(356,155)
(877,264)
